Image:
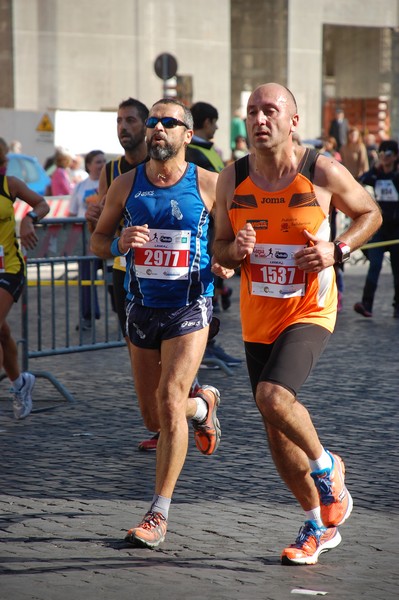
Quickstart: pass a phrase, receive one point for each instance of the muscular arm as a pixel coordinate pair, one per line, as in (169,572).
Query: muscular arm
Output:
(110,216)
(229,250)
(335,185)
(131,237)
(18,189)
(207,183)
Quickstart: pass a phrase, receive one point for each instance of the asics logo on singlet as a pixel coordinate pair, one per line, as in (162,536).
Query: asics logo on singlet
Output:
(273,201)
(144,194)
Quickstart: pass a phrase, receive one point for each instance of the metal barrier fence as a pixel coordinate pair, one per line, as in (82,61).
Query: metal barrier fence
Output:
(52,301)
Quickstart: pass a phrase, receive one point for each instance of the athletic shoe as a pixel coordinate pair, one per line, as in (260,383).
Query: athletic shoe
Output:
(22,401)
(151,444)
(335,501)
(310,543)
(150,532)
(207,433)
(362,310)
(84,325)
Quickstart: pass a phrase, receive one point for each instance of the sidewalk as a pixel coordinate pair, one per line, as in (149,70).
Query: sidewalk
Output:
(73,481)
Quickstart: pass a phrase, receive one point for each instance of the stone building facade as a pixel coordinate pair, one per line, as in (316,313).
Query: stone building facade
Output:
(89,56)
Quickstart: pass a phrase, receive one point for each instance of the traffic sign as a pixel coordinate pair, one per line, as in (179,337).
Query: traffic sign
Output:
(165,66)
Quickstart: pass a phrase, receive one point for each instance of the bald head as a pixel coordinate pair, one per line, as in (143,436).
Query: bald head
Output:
(271,118)
(274,92)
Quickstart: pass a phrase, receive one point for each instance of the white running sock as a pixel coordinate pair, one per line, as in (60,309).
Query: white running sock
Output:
(18,383)
(314,515)
(322,463)
(161,505)
(202,409)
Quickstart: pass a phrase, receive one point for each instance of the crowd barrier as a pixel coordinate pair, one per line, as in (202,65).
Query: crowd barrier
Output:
(51,304)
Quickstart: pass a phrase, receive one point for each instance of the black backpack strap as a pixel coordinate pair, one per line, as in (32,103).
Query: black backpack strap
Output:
(242,169)
(308,163)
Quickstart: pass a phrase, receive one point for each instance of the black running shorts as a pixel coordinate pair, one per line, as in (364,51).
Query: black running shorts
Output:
(13,283)
(289,360)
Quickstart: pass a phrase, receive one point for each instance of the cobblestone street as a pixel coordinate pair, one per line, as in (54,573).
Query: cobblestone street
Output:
(73,480)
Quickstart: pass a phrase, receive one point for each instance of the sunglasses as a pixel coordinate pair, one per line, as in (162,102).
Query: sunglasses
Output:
(386,153)
(166,122)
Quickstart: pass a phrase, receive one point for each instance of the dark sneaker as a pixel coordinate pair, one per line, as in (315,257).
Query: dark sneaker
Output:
(310,543)
(207,433)
(151,444)
(84,325)
(150,532)
(215,351)
(362,310)
(22,400)
(335,501)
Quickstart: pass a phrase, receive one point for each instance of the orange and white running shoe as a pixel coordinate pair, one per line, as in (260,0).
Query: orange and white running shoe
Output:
(335,501)
(150,532)
(310,543)
(207,433)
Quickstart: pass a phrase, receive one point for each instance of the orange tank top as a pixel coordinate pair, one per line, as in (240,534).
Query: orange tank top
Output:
(274,292)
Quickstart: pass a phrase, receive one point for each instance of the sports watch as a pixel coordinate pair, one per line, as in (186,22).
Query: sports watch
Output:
(342,252)
(34,216)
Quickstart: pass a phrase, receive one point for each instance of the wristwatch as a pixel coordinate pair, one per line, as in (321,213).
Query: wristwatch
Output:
(34,216)
(342,252)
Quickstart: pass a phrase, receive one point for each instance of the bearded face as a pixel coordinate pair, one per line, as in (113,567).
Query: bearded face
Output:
(160,149)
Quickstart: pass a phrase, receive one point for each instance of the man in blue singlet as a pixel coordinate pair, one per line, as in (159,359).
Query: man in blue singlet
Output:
(169,287)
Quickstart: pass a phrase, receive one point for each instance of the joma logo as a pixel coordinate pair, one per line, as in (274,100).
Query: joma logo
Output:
(272,201)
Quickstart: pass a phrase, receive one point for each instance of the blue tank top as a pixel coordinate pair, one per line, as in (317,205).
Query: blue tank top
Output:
(173,268)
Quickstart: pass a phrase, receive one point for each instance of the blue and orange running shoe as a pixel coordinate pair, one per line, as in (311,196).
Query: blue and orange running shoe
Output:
(335,501)
(310,543)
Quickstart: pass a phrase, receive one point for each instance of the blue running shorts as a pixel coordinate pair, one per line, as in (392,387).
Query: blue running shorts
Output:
(148,327)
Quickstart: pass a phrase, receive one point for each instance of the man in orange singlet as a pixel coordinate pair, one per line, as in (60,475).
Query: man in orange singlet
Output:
(272,219)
